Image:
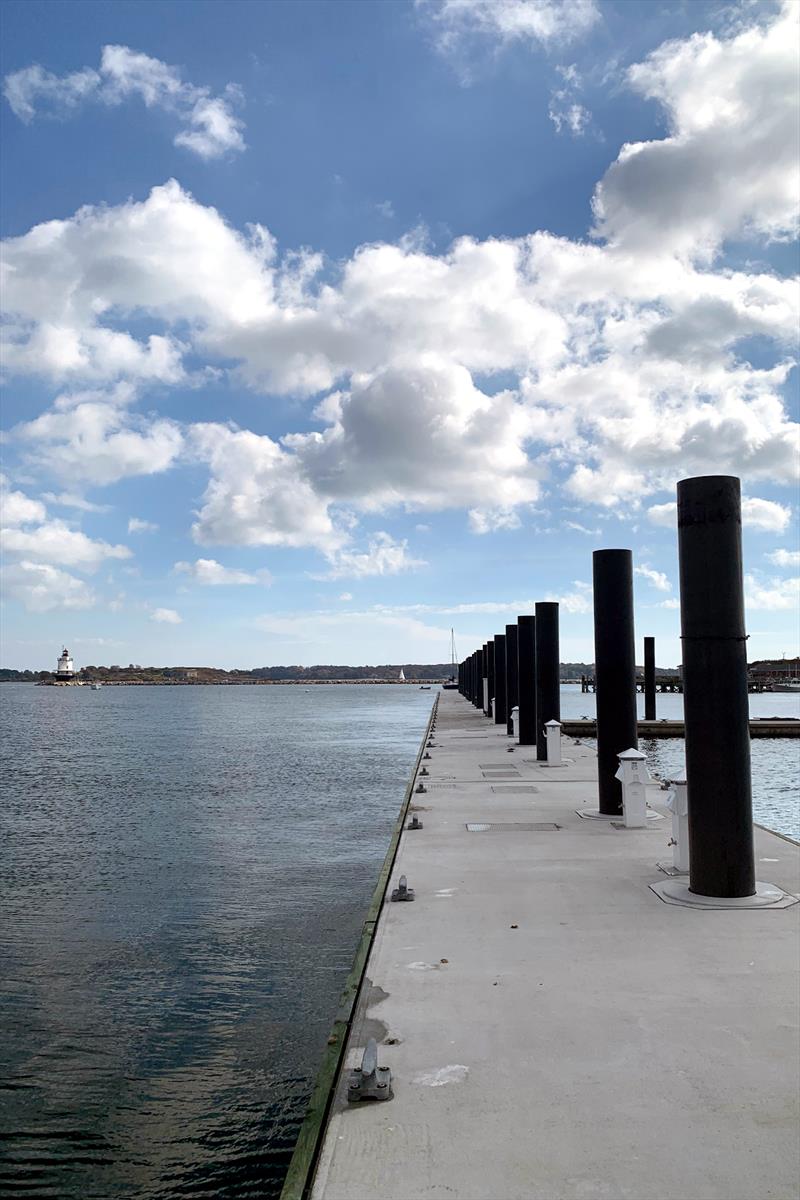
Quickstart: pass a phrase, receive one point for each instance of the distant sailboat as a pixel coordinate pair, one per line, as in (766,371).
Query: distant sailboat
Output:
(452,684)
(402,676)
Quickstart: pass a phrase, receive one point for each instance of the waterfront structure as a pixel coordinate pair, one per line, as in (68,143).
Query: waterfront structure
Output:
(66,666)
(540,948)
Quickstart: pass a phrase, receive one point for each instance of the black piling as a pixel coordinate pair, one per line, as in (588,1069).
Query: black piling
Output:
(485,693)
(511,676)
(649,679)
(717,736)
(499,679)
(526,679)
(548,695)
(615,669)
(490,673)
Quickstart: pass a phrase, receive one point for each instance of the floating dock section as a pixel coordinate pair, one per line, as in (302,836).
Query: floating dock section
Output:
(554,1029)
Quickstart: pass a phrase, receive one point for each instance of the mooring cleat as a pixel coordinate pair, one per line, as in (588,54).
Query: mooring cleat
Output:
(403,891)
(424,771)
(415,823)
(420,788)
(369,1081)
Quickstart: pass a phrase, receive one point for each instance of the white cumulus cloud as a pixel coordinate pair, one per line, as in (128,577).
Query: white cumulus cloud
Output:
(656,579)
(209,125)
(166,616)
(41,587)
(771,594)
(209,572)
(784,558)
(383,556)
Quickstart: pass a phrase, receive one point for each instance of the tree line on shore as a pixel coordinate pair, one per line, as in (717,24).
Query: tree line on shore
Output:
(134,673)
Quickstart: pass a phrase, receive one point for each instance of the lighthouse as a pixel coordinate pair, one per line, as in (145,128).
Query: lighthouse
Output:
(66,667)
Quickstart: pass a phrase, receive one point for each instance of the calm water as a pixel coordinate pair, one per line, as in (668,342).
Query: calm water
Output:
(183,877)
(775,761)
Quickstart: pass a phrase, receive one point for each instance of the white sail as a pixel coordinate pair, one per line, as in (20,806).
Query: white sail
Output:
(402,677)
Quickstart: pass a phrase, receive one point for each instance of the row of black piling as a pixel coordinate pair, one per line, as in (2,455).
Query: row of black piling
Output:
(519,668)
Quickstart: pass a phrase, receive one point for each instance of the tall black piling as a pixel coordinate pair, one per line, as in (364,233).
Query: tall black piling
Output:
(615,669)
(548,695)
(526,679)
(717,735)
(649,679)
(512,699)
(485,693)
(499,679)
(490,673)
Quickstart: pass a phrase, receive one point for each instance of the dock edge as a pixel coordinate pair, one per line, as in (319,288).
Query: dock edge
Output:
(302,1166)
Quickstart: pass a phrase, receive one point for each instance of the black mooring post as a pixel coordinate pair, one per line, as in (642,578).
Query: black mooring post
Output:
(548,684)
(490,665)
(717,732)
(485,694)
(475,679)
(615,670)
(526,679)
(512,699)
(478,698)
(649,679)
(499,679)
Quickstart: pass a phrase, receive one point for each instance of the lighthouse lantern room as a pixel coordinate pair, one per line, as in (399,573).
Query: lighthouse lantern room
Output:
(66,667)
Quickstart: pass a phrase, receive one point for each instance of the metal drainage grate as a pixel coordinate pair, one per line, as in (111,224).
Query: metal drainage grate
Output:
(501,766)
(501,774)
(510,826)
(510,789)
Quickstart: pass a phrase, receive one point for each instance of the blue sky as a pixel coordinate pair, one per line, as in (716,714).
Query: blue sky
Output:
(330,326)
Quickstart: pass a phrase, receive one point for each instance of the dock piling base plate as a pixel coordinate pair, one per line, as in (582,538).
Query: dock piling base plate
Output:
(676,891)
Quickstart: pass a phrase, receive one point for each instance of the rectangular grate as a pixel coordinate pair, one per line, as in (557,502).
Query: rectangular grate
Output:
(511,826)
(501,766)
(510,789)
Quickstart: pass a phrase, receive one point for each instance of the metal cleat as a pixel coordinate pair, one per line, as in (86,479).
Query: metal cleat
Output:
(403,891)
(424,771)
(369,1081)
(420,788)
(415,823)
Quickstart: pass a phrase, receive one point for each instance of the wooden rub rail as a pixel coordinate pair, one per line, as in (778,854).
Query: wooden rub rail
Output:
(766,727)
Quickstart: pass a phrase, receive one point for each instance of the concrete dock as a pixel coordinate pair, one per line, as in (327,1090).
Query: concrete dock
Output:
(555,1031)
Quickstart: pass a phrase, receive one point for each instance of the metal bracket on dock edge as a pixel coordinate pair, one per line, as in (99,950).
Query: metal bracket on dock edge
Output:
(369,1081)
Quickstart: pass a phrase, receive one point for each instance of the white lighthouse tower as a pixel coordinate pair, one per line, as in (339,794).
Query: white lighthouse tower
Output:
(66,667)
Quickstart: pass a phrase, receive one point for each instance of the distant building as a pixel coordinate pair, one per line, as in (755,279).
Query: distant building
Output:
(66,667)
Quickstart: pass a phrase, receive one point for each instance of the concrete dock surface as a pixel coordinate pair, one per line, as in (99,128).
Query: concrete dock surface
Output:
(555,1031)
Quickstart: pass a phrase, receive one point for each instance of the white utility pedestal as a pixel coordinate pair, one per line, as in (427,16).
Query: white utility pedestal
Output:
(553,743)
(678,804)
(515,721)
(633,775)
(485,695)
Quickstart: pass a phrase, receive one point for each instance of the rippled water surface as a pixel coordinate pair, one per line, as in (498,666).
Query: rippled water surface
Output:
(183,877)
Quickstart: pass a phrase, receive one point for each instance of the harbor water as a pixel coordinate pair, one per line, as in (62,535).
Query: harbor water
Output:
(183,877)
